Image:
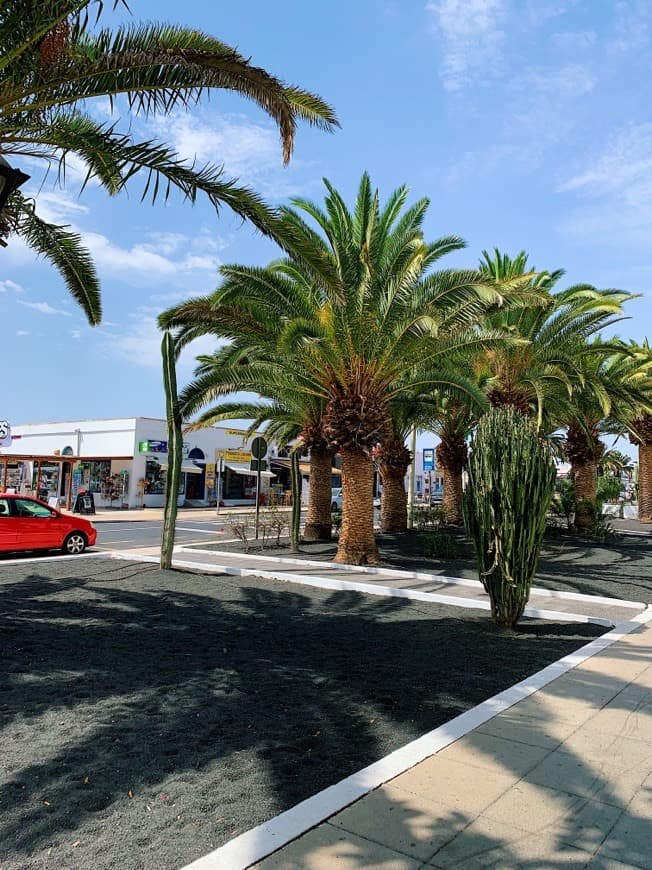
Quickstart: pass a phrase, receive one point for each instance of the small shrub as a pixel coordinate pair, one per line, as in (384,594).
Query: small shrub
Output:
(336,521)
(603,531)
(563,502)
(426,517)
(271,524)
(241,528)
(438,545)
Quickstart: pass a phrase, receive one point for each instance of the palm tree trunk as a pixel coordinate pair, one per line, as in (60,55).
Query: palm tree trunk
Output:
(393,505)
(584,481)
(645,483)
(318,519)
(357,545)
(452,498)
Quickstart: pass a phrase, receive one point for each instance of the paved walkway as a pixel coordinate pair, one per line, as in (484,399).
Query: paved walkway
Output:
(543,603)
(561,779)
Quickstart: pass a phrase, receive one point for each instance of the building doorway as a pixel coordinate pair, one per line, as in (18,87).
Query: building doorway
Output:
(196,483)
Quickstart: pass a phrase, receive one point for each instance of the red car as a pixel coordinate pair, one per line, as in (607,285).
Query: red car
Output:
(29,524)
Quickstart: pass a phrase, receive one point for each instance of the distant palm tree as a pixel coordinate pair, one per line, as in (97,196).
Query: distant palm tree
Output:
(639,428)
(614,463)
(52,65)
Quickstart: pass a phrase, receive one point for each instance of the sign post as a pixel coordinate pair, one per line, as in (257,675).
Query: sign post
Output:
(220,468)
(258,451)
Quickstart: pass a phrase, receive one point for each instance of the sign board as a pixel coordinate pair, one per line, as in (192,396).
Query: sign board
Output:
(254,463)
(233,455)
(152,446)
(259,448)
(5,433)
(429,459)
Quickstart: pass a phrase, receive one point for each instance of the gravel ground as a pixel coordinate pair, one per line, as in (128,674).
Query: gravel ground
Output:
(147,717)
(619,569)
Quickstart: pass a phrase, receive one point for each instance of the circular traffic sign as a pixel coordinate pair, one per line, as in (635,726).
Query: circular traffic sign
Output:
(259,448)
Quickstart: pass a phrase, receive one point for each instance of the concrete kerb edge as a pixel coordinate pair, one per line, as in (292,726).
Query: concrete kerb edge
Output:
(259,842)
(366,589)
(417,575)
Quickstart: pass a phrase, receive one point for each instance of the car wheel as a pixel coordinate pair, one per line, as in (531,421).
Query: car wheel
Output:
(75,544)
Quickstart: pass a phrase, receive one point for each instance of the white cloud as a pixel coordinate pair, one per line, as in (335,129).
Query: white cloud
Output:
(8,286)
(138,342)
(618,182)
(22,332)
(44,308)
(57,207)
(145,262)
(578,40)
(472,39)
(541,11)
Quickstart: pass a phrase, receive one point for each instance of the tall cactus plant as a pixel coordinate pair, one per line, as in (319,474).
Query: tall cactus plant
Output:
(511,481)
(175,449)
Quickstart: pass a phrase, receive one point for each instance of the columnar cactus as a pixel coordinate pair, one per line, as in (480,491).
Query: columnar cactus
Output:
(175,449)
(511,481)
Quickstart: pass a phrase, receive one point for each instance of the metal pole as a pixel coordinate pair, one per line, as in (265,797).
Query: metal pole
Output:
(4,482)
(257,494)
(219,483)
(411,477)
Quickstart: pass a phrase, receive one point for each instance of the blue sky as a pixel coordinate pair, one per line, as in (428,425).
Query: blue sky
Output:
(526,122)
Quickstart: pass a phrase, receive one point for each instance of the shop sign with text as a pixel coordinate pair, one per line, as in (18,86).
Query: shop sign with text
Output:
(5,433)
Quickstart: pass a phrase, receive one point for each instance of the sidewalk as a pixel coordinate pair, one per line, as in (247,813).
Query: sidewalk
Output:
(562,778)
(144,515)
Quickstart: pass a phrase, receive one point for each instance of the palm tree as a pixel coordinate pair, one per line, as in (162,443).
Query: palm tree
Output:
(605,398)
(360,322)
(453,423)
(614,463)
(639,428)
(53,65)
(536,377)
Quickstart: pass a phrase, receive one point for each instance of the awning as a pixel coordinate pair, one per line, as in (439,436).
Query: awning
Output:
(304,467)
(243,468)
(186,467)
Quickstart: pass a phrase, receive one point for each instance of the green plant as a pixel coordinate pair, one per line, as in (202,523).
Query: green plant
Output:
(438,545)
(511,480)
(336,521)
(425,517)
(602,530)
(563,501)
(608,489)
(175,449)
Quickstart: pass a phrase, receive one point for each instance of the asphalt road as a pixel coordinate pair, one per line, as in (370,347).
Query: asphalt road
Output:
(127,536)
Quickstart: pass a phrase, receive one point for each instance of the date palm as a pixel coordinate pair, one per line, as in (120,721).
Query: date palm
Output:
(360,322)
(53,64)
(639,428)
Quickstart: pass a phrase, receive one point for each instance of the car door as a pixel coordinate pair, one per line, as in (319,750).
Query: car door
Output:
(8,531)
(37,527)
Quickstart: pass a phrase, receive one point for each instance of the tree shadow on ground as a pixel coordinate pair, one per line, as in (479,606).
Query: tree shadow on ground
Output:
(536,802)
(169,710)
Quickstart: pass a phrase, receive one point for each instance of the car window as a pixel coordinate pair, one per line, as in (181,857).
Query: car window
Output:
(26,508)
(4,508)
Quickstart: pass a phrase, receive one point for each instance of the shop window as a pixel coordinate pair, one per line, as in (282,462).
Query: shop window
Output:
(156,477)
(94,474)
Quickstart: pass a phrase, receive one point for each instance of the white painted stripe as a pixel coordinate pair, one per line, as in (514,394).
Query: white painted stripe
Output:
(256,844)
(398,573)
(46,558)
(201,531)
(367,589)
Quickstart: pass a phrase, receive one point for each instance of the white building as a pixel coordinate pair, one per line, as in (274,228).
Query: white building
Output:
(123,462)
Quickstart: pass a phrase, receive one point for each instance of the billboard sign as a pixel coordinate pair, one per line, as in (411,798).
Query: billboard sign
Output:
(5,433)
(429,459)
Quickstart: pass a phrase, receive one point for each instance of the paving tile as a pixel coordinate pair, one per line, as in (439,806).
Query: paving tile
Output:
(481,846)
(513,725)
(603,863)
(535,807)
(459,787)
(495,753)
(402,821)
(616,662)
(630,840)
(595,745)
(612,780)
(628,715)
(326,847)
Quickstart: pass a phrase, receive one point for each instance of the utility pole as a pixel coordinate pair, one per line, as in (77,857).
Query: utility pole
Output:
(411,477)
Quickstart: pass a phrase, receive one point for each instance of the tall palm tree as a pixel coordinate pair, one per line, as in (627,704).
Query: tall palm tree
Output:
(361,323)
(453,423)
(54,64)
(639,428)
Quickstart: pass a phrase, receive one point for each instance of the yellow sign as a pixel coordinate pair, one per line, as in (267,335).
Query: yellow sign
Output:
(233,455)
(210,469)
(237,432)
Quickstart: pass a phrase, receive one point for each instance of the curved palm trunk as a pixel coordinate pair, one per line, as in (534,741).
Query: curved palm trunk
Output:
(357,545)
(393,505)
(645,483)
(318,520)
(584,481)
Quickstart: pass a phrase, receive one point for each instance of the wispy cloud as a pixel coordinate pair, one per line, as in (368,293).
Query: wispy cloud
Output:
(44,308)
(22,332)
(472,39)
(618,181)
(8,286)
(138,342)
